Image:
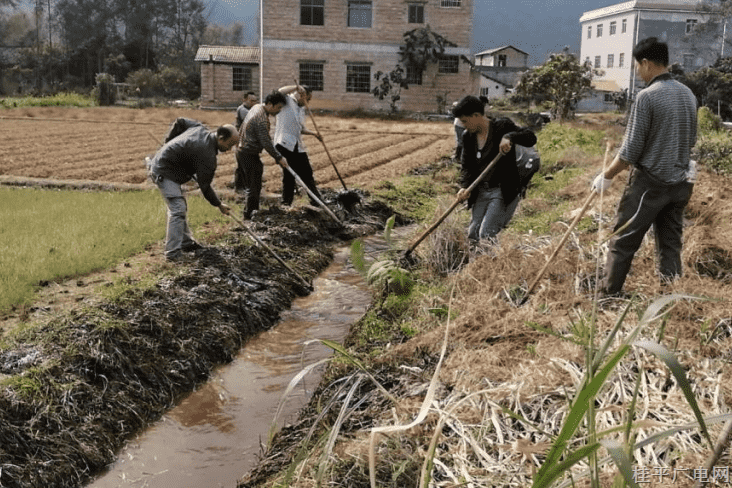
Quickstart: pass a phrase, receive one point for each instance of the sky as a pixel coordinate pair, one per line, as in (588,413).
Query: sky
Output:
(538,27)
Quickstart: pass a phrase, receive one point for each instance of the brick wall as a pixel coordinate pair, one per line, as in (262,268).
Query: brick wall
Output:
(287,43)
(217,84)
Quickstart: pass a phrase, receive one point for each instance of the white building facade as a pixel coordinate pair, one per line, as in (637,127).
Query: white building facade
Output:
(610,33)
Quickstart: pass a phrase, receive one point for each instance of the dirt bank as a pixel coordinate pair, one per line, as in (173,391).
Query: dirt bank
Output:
(76,386)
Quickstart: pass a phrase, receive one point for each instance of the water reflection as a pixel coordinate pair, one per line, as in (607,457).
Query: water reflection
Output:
(214,435)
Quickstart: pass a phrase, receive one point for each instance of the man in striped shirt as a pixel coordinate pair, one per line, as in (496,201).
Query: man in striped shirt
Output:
(253,138)
(660,134)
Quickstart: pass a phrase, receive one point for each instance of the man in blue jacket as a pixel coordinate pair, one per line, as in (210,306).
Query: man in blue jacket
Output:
(189,152)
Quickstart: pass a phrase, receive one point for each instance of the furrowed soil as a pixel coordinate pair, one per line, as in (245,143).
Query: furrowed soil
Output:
(86,378)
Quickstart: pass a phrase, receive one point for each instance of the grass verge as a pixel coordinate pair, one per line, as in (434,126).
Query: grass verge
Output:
(60,234)
(58,100)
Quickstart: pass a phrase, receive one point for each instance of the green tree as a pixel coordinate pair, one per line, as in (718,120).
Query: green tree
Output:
(421,47)
(562,81)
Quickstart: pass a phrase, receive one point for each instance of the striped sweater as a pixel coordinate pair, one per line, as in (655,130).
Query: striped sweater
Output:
(661,130)
(254,133)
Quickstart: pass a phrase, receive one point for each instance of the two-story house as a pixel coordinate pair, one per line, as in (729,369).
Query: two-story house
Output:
(610,33)
(501,69)
(337,46)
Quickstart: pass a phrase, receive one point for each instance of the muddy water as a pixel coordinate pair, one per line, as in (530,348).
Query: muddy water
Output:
(213,436)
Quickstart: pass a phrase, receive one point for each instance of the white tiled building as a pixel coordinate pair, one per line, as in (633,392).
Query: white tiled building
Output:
(610,33)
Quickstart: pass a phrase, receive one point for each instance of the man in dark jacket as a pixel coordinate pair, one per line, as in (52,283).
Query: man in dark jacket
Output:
(190,154)
(494,200)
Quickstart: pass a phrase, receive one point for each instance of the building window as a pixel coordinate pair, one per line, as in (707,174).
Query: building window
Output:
(450,3)
(312,12)
(610,60)
(624,27)
(690,25)
(241,79)
(589,32)
(609,98)
(621,60)
(414,75)
(688,62)
(359,14)
(416,14)
(599,30)
(502,60)
(358,78)
(613,26)
(587,61)
(311,74)
(597,61)
(449,65)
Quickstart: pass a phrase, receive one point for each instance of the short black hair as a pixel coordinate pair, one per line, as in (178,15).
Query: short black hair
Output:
(469,105)
(653,50)
(225,132)
(275,98)
(246,95)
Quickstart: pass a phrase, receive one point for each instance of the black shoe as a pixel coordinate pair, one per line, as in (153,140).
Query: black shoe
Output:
(192,247)
(178,258)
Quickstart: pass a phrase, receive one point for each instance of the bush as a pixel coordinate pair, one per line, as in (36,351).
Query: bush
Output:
(143,82)
(707,121)
(104,92)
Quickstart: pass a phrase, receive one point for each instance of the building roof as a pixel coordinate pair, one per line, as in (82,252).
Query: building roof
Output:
(495,50)
(674,5)
(228,54)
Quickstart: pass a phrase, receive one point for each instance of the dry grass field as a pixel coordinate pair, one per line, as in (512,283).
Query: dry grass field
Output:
(109,144)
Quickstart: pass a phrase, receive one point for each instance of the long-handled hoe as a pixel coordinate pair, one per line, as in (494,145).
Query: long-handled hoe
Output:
(312,195)
(347,198)
(577,218)
(447,212)
(259,241)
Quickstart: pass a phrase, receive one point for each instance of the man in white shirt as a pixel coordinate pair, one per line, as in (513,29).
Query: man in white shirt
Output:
(288,141)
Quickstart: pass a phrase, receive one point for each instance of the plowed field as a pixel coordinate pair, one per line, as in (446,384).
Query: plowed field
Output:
(108,145)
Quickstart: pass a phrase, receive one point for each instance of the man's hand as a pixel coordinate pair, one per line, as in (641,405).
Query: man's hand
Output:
(505,145)
(463,194)
(224,209)
(601,183)
(282,163)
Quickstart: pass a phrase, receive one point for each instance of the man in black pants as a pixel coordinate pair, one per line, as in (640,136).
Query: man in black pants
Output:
(288,141)
(657,146)
(253,139)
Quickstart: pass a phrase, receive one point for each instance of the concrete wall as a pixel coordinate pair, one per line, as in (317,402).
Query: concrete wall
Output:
(666,24)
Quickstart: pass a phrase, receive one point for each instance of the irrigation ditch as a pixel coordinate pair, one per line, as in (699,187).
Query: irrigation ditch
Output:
(78,386)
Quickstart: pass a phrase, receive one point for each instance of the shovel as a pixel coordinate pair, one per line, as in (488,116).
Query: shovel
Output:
(582,211)
(259,241)
(348,198)
(452,207)
(312,195)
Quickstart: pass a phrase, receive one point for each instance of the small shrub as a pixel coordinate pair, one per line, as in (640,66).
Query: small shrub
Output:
(104,90)
(707,121)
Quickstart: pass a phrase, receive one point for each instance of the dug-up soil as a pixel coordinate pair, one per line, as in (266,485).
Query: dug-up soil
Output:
(76,386)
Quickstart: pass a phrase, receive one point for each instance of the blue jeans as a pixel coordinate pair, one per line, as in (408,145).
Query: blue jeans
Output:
(490,214)
(178,234)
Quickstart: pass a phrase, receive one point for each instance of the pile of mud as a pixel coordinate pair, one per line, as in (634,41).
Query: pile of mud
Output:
(75,388)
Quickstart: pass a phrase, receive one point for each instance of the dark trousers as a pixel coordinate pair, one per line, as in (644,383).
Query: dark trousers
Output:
(251,170)
(645,203)
(300,164)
